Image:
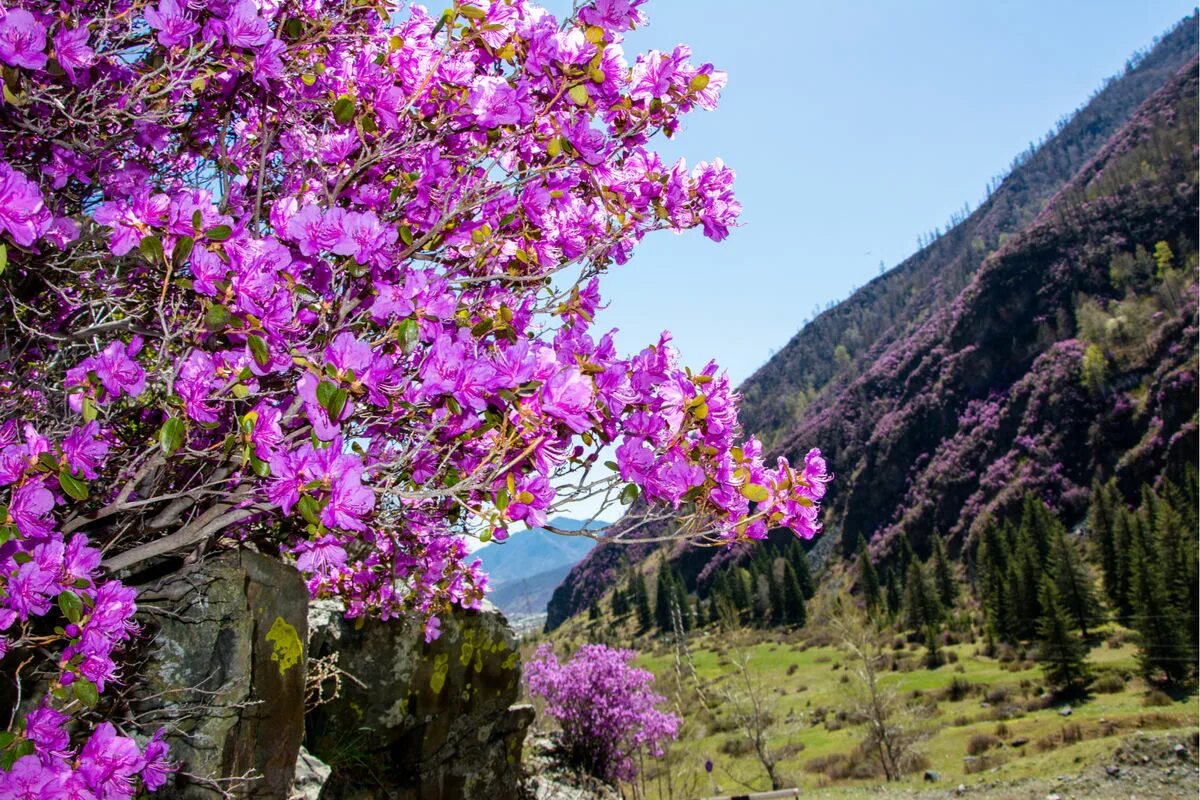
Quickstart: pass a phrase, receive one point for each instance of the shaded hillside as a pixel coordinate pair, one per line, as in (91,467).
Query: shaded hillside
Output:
(986,399)
(524,569)
(840,343)
(965,389)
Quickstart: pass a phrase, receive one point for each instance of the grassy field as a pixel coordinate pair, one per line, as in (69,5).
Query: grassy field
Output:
(808,692)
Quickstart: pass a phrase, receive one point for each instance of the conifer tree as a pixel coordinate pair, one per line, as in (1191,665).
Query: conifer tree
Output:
(739,592)
(594,610)
(1125,529)
(1062,654)
(641,601)
(868,578)
(1073,583)
(1163,651)
(922,608)
(1102,522)
(895,598)
(664,598)
(933,648)
(793,598)
(681,602)
(943,573)
(777,610)
(620,603)
(803,574)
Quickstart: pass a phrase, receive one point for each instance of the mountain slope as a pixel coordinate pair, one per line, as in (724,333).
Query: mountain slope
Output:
(963,389)
(524,569)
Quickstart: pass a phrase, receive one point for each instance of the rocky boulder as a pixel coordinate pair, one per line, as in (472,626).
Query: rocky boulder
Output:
(225,673)
(413,720)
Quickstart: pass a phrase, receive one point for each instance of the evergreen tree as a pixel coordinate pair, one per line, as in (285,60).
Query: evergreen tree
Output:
(793,598)
(943,573)
(1025,581)
(803,574)
(1125,529)
(922,609)
(739,592)
(620,603)
(777,611)
(641,601)
(664,598)
(1073,583)
(1102,522)
(1164,653)
(1062,654)
(682,603)
(594,610)
(895,598)
(933,648)
(868,578)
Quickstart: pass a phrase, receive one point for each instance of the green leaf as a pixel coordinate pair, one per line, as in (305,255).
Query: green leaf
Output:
(755,492)
(85,690)
(6,738)
(472,12)
(217,318)
(408,332)
(258,349)
(197,220)
(71,606)
(261,468)
(218,234)
(325,391)
(699,83)
(629,494)
(293,27)
(19,749)
(343,109)
(171,436)
(152,249)
(72,485)
(337,403)
(7,531)
(309,509)
(612,465)
(3,258)
(579,95)
(406,235)
(89,408)
(502,500)
(182,249)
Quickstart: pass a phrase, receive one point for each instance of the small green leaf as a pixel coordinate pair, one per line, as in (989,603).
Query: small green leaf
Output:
(197,220)
(3,258)
(89,408)
(261,468)
(579,95)
(343,109)
(72,485)
(171,436)
(293,27)
(502,500)
(755,492)
(217,318)
(219,233)
(699,83)
(152,249)
(71,606)
(183,249)
(6,738)
(7,531)
(612,465)
(258,349)
(406,235)
(472,12)
(408,332)
(85,690)
(309,509)
(337,403)
(325,390)
(629,494)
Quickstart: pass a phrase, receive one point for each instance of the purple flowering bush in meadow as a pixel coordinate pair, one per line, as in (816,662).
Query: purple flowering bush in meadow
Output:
(605,707)
(320,277)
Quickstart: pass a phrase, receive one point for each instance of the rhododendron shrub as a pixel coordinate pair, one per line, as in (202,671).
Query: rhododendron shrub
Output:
(321,278)
(605,706)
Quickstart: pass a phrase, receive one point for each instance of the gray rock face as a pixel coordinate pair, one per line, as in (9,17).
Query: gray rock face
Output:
(417,721)
(225,673)
(311,775)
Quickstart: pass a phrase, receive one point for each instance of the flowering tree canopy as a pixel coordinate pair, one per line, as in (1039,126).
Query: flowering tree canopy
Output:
(319,276)
(605,706)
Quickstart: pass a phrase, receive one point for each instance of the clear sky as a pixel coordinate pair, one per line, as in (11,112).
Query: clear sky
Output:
(854,127)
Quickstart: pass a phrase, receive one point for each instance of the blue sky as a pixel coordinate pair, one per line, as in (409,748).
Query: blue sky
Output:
(854,127)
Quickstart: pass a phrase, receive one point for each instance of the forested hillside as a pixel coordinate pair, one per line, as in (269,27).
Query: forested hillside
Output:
(1046,341)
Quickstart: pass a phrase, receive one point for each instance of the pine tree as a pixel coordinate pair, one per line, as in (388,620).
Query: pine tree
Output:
(933,648)
(739,592)
(1102,522)
(803,574)
(1125,528)
(1073,583)
(664,597)
(868,578)
(1062,654)
(620,603)
(895,598)
(682,603)
(1163,647)
(943,573)
(922,609)
(793,598)
(641,601)
(594,610)
(777,610)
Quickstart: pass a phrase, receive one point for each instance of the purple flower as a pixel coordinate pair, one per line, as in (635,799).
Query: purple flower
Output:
(194,383)
(85,450)
(173,24)
(44,727)
(244,28)
(288,473)
(72,51)
(109,763)
(30,507)
(22,40)
(433,629)
(267,434)
(494,103)
(28,780)
(363,236)
(321,557)
(22,212)
(568,396)
(616,16)
(349,502)
(154,774)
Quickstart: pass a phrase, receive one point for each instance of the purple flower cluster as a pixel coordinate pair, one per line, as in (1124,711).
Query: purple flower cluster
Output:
(606,708)
(297,273)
